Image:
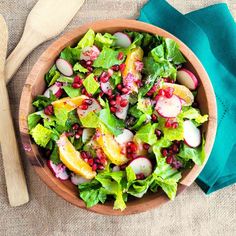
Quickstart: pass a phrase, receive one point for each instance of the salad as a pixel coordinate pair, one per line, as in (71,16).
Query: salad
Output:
(118,117)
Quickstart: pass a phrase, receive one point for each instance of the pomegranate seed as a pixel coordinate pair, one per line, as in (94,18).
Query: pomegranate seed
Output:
(75,126)
(168,124)
(104,77)
(86,159)
(139,83)
(146,146)
(90,161)
(77,136)
(48,153)
(119,86)
(69,134)
(129,155)
(170,152)
(113,109)
(49,110)
(149,93)
(175,148)
(169,92)
(122,167)
(128,150)
(122,67)
(101,167)
(140,176)
(120,56)
(83,63)
(177,142)
(174,125)
(103,161)
(124,90)
(161,92)
(123,151)
(89,63)
(118,99)
(169,159)
(76,85)
(97,160)
(154,117)
(101,94)
(87,102)
(94,167)
(83,107)
(109,92)
(164,152)
(132,146)
(123,102)
(112,102)
(158,133)
(83,154)
(77,79)
(115,67)
(89,68)
(80,131)
(176,164)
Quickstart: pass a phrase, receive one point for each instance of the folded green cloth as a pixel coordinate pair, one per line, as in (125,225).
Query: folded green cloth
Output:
(211,34)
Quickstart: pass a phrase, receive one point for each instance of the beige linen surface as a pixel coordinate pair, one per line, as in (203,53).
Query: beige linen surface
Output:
(192,213)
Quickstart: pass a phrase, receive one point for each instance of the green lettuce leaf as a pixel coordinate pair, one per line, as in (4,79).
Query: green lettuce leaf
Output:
(144,105)
(52,75)
(90,84)
(33,120)
(158,53)
(147,134)
(41,135)
(139,122)
(71,54)
(106,39)
(61,116)
(54,157)
(79,68)
(107,58)
(90,121)
(72,92)
(41,101)
(87,40)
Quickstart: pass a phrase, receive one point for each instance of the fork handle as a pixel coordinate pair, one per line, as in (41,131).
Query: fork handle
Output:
(14,175)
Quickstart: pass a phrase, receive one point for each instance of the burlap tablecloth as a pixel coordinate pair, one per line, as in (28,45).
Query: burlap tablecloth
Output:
(192,213)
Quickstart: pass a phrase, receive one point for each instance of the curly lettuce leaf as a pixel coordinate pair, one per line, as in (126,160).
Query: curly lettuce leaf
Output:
(79,68)
(144,105)
(33,120)
(70,54)
(52,76)
(87,40)
(40,102)
(41,135)
(54,157)
(106,40)
(71,92)
(90,121)
(90,84)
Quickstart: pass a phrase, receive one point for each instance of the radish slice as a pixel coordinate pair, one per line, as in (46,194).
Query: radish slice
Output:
(187,78)
(122,39)
(95,107)
(141,165)
(122,111)
(58,170)
(64,67)
(90,53)
(124,137)
(105,87)
(168,107)
(77,179)
(115,169)
(56,90)
(192,135)
(87,135)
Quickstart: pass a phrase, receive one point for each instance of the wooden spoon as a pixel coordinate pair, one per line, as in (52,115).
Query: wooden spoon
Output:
(47,19)
(14,175)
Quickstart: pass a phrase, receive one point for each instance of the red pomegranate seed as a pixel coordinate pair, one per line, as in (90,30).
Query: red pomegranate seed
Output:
(94,167)
(83,63)
(49,110)
(103,161)
(112,102)
(154,117)
(169,159)
(101,167)
(104,79)
(140,176)
(75,126)
(109,92)
(175,148)
(90,161)
(122,67)
(170,152)
(83,154)
(174,125)
(128,150)
(169,92)
(146,146)
(87,101)
(168,124)
(83,107)
(118,99)
(176,164)
(77,79)
(119,86)
(123,102)
(132,146)
(139,83)
(69,134)
(80,131)
(89,63)
(120,56)
(158,133)
(149,93)
(124,90)
(164,152)
(113,109)
(89,68)
(115,67)
(101,94)
(129,155)
(123,150)
(161,92)
(76,85)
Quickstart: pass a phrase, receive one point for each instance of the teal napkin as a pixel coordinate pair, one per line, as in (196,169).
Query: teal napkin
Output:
(211,34)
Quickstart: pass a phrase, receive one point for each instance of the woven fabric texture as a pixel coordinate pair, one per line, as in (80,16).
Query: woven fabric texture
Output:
(192,213)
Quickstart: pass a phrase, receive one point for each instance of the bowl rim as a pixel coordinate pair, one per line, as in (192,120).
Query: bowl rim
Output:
(31,149)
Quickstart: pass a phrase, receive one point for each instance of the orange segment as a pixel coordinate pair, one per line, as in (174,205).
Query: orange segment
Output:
(181,91)
(110,147)
(69,103)
(72,159)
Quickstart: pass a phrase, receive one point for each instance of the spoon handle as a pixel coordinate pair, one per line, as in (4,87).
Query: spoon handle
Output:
(28,42)
(14,175)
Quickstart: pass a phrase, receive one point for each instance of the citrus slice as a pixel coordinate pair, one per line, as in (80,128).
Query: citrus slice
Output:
(72,159)
(68,103)
(182,92)
(110,147)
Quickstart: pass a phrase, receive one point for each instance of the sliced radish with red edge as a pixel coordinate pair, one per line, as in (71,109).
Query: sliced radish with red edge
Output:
(192,135)
(115,169)
(124,137)
(90,53)
(58,170)
(55,89)
(105,87)
(168,107)
(187,78)
(121,112)
(64,67)
(122,39)
(141,165)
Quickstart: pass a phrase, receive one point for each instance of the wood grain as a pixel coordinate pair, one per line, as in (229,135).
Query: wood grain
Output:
(14,175)
(41,25)
(35,85)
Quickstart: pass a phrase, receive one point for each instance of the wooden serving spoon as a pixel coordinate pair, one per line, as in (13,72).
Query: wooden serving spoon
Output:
(47,19)
(14,175)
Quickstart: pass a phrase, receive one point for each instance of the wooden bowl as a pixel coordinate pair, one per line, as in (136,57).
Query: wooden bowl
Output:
(35,85)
